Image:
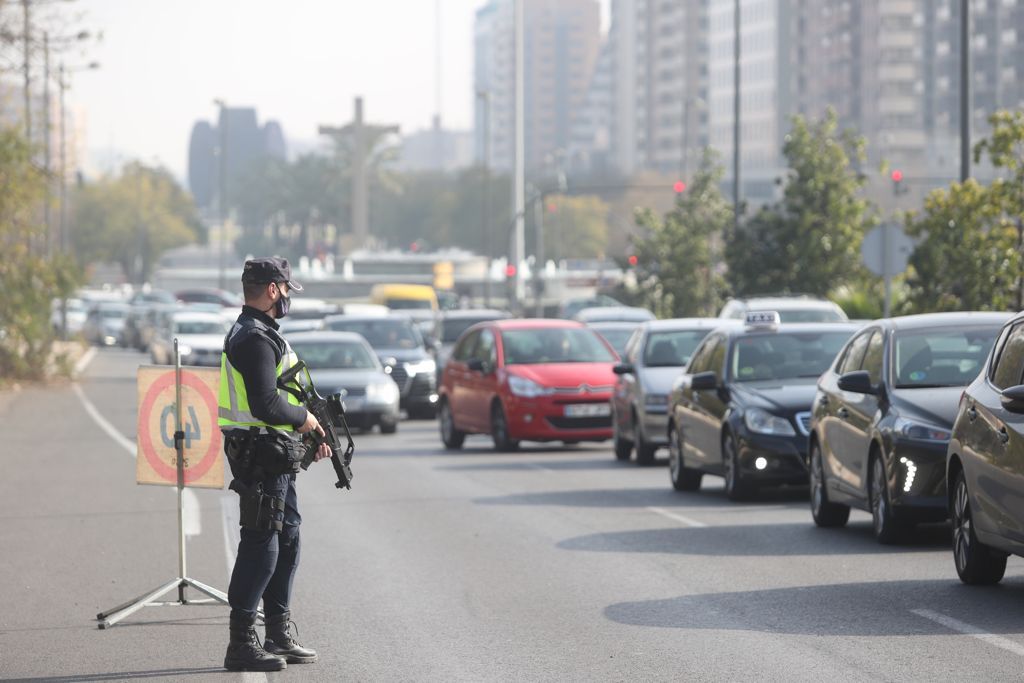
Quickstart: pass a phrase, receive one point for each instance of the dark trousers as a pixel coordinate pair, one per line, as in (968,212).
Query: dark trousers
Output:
(266,561)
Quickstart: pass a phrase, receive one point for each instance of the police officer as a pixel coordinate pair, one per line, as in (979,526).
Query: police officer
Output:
(261,425)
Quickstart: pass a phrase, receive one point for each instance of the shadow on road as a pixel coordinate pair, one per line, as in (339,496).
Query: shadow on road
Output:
(642,497)
(855,609)
(127,675)
(559,465)
(761,540)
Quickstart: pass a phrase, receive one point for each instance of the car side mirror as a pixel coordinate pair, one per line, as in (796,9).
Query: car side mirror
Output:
(623,369)
(1012,398)
(857,382)
(704,381)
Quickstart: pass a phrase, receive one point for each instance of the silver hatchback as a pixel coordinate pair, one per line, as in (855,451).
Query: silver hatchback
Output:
(655,356)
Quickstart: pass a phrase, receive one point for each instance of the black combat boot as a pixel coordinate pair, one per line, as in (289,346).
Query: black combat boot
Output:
(245,652)
(280,642)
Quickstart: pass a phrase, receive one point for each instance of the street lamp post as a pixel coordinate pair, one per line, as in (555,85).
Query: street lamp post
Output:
(965,90)
(222,154)
(485,218)
(736,118)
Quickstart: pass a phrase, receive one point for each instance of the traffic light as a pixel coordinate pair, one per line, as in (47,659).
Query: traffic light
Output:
(510,271)
(633,260)
(679,187)
(897,182)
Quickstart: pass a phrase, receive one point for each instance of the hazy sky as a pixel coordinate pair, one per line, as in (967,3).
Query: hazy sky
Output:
(300,62)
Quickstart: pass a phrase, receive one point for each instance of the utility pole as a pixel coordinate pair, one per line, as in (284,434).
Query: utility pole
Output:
(222,159)
(736,118)
(27,43)
(539,258)
(63,187)
(965,90)
(518,245)
(46,144)
(485,217)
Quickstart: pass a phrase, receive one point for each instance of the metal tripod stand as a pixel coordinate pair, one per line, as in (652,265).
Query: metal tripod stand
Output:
(182,581)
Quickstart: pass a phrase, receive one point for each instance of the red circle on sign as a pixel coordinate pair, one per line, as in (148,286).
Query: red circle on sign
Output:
(161,468)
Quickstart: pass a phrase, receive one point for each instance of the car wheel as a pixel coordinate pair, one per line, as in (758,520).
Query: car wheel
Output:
(886,526)
(683,478)
(644,451)
(499,430)
(976,563)
(623,447)
(450,436)
(388,426)
(825,514)
(737,487)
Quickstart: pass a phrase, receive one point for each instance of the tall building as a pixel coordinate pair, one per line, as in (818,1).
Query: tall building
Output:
(659,66)
(246,141)
(436,149)
(561,44)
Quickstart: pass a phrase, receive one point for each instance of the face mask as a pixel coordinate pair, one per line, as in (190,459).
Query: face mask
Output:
(281,306)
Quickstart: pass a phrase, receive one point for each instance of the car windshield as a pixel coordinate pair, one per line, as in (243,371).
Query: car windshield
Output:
(452,328)
(940,357)
(382,334)
(669,349)
(113,313)
(617,338)
(810,315)
(344,355)
(199,327)
(410,304)
(554,345)
(784,355)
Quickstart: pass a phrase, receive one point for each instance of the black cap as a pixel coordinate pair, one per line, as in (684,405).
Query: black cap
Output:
(270,269)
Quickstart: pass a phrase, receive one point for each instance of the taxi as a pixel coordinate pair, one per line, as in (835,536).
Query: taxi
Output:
(742,408)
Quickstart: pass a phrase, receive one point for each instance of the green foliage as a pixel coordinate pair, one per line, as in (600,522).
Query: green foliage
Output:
(861,301)
(132,219)
(675,254)
(809,242)
(28,279)
(575,226)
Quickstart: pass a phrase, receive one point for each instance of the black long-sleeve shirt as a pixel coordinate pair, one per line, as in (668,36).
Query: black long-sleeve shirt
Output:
(256,357)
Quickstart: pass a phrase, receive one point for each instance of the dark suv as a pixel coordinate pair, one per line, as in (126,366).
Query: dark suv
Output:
(406,357)
(985,463)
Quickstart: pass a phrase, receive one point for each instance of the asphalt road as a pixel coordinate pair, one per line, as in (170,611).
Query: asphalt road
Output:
(547,564)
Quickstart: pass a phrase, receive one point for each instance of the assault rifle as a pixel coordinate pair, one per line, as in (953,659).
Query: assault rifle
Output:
(330,413)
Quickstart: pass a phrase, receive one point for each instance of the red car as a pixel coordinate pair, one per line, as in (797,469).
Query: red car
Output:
(527,380)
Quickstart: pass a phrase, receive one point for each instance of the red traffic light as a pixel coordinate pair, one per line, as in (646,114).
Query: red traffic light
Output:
(679,187)
(633,260)
(552,207)
(897,176)
(510,270)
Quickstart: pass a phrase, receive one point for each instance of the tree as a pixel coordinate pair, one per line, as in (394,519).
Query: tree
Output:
(29,280)
(808,242)
(575,226)
(968,255)
(675,255)
(132,219)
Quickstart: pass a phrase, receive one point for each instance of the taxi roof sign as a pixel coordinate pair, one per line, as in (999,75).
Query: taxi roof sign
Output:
(763,319)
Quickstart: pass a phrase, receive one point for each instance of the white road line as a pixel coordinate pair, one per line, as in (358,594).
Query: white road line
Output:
(540,467)
(229,515)
(970,630)
(84,361)
(685,521)
(193,519)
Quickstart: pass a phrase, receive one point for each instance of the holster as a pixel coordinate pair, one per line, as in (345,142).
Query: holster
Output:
(253,455)
(257,510)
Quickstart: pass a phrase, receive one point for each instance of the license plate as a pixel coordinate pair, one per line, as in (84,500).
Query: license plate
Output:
(588,410)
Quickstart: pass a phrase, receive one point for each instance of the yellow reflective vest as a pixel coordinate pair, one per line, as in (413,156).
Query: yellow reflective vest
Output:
(233,402)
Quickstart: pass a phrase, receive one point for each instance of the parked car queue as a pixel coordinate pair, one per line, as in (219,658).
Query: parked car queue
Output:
(867,415)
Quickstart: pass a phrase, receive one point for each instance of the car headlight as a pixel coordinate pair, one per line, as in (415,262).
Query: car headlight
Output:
(656,400)
(422,366)
(382,393)
(184,350)
(762,422)
(920,431)
(527,388)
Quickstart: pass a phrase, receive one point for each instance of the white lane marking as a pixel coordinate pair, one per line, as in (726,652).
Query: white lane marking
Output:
(970,630)
(685,521)
(229,515)
(190,503)
(110,429)
(84,361)
(537,466)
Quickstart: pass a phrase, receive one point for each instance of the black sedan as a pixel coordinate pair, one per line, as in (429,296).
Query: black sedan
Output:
(741,409)
(882,418)
(985,463)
